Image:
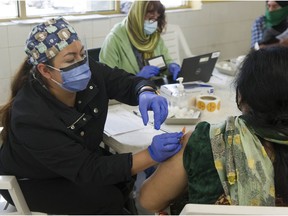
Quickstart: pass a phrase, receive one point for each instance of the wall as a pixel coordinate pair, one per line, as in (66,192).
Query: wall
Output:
(223,26)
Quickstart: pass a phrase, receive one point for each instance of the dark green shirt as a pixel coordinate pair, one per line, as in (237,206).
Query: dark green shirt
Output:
(204,186)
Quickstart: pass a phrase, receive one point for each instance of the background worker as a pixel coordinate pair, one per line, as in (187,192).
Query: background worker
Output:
(138,38)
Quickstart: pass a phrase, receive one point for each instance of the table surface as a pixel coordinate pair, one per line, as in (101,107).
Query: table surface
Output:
(136,140)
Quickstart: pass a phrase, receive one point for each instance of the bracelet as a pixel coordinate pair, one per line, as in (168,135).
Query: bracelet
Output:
(147,88)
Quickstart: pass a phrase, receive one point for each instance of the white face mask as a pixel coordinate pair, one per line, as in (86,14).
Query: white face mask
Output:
(150,28)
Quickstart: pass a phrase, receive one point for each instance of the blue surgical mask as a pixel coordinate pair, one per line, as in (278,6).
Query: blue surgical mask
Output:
(74,77)
(150,28)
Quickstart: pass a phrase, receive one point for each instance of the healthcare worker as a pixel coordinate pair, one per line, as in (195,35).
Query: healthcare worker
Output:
(53,126)
(136,39)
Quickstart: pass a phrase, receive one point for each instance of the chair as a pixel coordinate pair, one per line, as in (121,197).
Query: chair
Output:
(10,183)
(176,43)
(204,209)
(94,53)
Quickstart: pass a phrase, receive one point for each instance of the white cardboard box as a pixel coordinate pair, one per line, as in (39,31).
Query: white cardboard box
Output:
(192,89)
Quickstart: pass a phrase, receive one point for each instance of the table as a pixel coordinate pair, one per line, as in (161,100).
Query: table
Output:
(138,139)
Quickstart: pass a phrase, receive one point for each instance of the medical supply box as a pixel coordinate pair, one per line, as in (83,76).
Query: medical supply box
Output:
(192,89)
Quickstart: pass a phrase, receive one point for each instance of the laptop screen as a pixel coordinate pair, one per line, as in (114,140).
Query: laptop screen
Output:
(198,68)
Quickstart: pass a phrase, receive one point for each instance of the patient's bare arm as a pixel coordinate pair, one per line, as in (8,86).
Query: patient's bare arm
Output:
(166,183)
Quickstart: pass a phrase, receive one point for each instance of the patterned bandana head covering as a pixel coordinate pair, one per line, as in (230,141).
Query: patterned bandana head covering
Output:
(47,39)
(135,29)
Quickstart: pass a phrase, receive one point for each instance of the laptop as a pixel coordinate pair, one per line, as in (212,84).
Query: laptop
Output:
(196,68)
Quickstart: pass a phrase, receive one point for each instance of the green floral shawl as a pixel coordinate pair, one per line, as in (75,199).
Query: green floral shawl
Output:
(244,168)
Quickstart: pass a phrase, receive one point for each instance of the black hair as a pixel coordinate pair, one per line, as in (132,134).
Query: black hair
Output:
(20,79)
(262,84)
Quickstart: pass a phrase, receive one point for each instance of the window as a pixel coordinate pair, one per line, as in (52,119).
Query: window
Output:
(15,9)
(174,3)
(125,4)
(56,7)
(8,9)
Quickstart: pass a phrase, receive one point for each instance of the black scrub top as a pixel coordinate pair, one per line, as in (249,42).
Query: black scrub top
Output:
(48,139)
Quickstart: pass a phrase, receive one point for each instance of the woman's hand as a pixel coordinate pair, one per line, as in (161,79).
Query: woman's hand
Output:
(148,71)
(165,146)
(158,104)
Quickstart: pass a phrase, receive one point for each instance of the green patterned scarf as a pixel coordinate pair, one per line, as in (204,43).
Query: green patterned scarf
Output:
(135,30)
(244,168)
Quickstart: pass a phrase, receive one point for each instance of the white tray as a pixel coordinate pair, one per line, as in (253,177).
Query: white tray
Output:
(186,121)
(226,67)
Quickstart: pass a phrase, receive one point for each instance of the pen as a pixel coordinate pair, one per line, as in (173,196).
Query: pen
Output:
(136,113)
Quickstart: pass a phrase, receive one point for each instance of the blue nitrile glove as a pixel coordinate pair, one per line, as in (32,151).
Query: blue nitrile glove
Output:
(148,71)
(174,69)
(158,104)
(164,146)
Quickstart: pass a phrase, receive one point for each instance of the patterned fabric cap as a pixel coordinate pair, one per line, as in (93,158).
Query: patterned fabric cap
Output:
(47,39)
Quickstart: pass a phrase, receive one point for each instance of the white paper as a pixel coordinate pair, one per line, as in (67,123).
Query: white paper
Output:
(120,120)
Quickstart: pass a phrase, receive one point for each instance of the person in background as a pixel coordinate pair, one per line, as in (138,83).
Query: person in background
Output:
(53,127)
(241,161)
(138,38)
(275,21)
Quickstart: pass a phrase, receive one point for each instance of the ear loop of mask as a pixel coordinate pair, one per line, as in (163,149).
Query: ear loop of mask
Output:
(59,84)
(33,72)
(85,47)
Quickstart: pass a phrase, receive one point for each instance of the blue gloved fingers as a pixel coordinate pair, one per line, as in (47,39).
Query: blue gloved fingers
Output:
(160,109)
(171,147)
(145,74)
(143,106)
(158,104)
(174,69)
(166,139)
(175,75)
(148,71)
(153,69)
(171,138)
(164,111)
(165,146)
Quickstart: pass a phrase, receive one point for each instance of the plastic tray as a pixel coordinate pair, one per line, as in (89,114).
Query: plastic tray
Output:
(226,67)
(185,121)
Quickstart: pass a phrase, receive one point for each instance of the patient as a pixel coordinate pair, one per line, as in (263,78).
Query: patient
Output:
(241,161)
